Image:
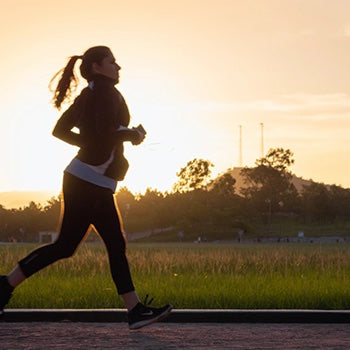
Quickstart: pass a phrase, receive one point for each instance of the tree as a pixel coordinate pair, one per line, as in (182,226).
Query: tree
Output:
(32,221)
(125,199)
(195,175)
(268,184)
(277,158)
(126,203)
(224,185)
(317,203)
(52,213)
(151,205)
(340,198)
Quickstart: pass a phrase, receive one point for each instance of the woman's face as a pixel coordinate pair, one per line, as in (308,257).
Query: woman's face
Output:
(108,67)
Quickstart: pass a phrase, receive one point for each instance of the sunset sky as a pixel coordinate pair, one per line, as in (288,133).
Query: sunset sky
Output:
(192,72)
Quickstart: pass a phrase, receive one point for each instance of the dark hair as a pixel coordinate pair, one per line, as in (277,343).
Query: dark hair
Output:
(68,81)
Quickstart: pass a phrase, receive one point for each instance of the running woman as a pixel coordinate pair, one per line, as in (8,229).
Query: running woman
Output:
(89,181)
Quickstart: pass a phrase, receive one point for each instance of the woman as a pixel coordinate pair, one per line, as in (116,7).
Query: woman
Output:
(89,182)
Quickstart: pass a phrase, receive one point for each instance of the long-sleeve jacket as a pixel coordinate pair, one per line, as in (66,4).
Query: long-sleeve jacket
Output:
(98,112)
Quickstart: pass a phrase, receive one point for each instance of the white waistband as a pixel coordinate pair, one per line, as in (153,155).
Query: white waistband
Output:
(86,173)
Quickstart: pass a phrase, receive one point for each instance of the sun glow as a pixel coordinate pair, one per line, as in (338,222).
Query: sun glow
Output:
(190,75)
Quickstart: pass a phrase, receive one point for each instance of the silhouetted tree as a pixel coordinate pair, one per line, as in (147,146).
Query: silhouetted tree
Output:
(223,185)
(278,159)
(317,203)
(198,206)
(340,201)
(194,175)
(269,186)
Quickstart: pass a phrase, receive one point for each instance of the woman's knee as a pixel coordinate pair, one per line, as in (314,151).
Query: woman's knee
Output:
(61,251)
(117,244)
(43,257)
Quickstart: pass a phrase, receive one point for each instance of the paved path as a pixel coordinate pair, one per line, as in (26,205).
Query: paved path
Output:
(182,315)
(85,336)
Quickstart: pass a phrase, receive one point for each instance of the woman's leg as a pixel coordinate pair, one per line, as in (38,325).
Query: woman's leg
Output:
(16,277)
(72,232)
(75,221)
(130,299)
(108,224)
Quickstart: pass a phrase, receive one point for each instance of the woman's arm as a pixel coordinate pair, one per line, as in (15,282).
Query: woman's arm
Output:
(64,126)
(63,131)
(112,114)
(130,135)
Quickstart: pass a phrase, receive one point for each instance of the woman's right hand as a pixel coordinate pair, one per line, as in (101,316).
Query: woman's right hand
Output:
(138,138)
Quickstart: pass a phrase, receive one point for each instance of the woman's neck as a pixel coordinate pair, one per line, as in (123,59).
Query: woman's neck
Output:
(101,77)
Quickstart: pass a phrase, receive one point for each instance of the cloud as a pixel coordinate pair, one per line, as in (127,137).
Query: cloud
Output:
(336,103)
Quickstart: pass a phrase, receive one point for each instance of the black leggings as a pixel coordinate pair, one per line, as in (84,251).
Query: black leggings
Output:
(85,204)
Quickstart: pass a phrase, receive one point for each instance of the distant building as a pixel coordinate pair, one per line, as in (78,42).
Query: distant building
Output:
(47,236)
(298,182)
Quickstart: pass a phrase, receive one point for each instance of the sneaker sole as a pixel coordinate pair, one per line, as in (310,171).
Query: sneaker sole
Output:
(144,323)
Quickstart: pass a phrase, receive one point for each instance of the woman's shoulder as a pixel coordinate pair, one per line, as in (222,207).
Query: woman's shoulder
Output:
(82,97)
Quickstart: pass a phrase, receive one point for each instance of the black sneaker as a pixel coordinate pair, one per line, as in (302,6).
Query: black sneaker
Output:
(5,293)
(142,315)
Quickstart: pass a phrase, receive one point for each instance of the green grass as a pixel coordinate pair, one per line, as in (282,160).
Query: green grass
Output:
(194,276)
(289,226)
(280,227)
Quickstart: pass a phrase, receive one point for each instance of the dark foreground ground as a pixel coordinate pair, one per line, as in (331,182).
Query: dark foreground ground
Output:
(76,335)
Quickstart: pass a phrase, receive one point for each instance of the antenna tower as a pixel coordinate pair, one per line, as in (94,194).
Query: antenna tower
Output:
(262,140)
(240,147)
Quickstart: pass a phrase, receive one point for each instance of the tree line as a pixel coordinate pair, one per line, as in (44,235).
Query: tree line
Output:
(198,204)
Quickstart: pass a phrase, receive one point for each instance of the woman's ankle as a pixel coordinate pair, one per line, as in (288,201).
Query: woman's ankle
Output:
(15,277)
(130,299)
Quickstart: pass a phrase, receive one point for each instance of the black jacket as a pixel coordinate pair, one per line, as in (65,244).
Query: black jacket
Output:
(98,112)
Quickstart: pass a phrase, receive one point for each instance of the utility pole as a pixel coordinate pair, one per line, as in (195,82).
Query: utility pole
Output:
(262,139)
(240,147)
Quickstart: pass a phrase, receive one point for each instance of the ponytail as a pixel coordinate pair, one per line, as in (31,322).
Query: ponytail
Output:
(67,83)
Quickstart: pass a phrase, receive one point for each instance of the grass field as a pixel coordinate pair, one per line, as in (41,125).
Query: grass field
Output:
(194,276)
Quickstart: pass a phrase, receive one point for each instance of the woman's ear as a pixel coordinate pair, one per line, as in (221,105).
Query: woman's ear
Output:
(95,68)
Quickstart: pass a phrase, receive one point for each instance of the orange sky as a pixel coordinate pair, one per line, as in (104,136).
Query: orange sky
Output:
(192,71)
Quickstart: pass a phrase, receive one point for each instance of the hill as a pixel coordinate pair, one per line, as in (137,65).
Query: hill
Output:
(17,199)
(298,182)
